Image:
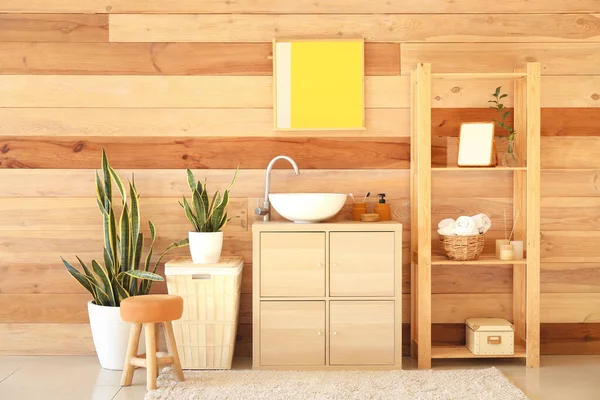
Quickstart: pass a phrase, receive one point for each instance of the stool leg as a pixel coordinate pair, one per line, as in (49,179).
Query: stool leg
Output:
(157,338)
(151,363)
(132,348)
(172,348)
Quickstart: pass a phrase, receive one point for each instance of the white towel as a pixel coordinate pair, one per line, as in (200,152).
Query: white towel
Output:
(465,226)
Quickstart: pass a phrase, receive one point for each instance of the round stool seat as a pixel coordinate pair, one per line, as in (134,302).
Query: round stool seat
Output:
(152,308)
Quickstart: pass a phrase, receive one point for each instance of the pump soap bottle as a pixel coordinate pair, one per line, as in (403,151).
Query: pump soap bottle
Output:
(383,209)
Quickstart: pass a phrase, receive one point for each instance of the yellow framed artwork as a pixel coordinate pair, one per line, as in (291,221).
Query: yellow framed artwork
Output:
(319,84)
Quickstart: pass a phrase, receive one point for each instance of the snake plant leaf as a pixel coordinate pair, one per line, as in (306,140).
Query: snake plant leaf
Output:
(106,283)
(100,194)
(112,234)
(119,184)
(204,194)
(219,211)
(224,221)
(190,215)
(191,179)
(125,239)
(135,221)
(153,239)
(109,263)
(136,262)
(201,212)
(234,180)
(107,180)
(123,294)
(81,278)
(145,275)
(89,275)
(215,200)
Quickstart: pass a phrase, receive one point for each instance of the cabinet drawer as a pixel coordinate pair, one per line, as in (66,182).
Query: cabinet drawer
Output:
(361,333)
(362,263)
(292,264)
(292,333)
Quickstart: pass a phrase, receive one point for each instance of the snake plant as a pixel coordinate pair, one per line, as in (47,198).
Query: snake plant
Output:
(124,273)
(206,216)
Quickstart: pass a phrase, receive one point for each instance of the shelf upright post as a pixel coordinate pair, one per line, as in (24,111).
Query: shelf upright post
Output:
(533,213)
(423,186)
(414,201)
(520,207)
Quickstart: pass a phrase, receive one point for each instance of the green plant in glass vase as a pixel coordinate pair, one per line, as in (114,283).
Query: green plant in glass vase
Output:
(510,158)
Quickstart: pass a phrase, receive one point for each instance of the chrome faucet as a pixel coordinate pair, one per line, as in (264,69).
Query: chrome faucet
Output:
(265,210)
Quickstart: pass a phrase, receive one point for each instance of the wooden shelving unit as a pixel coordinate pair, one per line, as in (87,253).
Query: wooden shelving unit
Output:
(526,202)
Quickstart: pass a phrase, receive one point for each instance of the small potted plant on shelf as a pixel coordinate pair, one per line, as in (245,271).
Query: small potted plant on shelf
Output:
(510,158)
(124,272)
(207,219)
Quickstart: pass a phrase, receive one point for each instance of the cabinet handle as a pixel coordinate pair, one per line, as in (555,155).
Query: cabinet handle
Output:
(319,333)
(319,264)
(335,264)
(334,333)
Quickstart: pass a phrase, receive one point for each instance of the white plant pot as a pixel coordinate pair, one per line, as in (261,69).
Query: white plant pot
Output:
(111,335)
(205,247)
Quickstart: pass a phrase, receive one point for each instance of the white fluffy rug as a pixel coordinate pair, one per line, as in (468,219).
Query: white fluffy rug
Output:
(483,384)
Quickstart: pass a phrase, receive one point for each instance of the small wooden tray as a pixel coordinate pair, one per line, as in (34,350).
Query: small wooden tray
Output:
(371,217)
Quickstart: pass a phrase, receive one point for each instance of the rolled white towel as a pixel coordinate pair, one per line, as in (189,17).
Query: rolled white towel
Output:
(465,226)
(446,222)
(483,222)
(447,230)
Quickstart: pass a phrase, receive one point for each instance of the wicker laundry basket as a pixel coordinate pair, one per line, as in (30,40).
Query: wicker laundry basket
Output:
(206,332)
(462,248)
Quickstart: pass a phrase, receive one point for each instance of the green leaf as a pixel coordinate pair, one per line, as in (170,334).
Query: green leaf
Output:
(106,284)
(144,275)
(125,244)
(492,101)
(135,223)
(191,179)
(219,212)
(100,194)
(112,234)
(153,239)
(506,114)
(107,180)
(136,262)
(81,278)
(235,176)
(201,212)
(190,215)
(497,92)
(504,95)
(147,284)
(123,294)
(109,263)
(119,184)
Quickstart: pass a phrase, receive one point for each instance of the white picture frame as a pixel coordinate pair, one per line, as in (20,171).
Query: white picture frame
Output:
(476,144)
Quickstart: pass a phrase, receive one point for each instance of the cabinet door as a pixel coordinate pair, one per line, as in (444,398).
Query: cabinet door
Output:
(292,264)
(361,333)
(362,263)
(292,333)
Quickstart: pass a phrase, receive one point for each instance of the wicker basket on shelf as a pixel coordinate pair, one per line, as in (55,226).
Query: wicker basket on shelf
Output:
(462,248)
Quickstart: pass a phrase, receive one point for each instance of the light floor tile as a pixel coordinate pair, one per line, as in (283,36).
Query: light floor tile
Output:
(65,391)
(10,364)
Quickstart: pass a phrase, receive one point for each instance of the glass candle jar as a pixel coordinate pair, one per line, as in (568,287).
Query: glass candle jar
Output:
(517,246)
(506,252)
(500,243)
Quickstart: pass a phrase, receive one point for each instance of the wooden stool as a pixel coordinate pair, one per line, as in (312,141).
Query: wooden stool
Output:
(151,310)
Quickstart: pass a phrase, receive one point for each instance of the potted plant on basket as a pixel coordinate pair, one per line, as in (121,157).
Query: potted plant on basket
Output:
(510,158)
(123,274)
(207,219)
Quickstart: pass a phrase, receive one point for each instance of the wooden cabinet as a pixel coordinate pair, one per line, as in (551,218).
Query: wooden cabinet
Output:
(327,296)
(361,332)
(292,264)
(362,264)
(292,333)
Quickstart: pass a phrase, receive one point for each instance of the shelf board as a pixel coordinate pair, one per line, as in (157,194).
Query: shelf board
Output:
(484,259)
(479,75)
(455,168)
(463,352)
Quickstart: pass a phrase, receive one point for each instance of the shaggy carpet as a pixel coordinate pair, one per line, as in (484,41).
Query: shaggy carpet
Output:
(483,384)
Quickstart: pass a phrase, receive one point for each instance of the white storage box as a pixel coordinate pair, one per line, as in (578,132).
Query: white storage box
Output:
(490,336)
(206,332)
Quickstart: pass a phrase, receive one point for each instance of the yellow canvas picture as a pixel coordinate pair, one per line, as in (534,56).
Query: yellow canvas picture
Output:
(319,84)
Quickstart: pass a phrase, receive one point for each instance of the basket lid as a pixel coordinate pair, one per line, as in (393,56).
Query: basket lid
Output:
(489,324)
(230,265)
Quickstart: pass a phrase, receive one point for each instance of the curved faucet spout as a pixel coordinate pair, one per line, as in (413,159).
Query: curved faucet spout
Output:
(265,210)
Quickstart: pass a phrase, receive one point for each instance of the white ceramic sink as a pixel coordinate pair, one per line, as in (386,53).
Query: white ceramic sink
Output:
(307,207)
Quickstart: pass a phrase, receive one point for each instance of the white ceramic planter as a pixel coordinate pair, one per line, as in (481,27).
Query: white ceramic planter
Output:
(205,247)
(110,334)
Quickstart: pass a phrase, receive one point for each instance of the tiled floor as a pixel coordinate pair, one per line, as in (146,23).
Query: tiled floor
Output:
(81,378)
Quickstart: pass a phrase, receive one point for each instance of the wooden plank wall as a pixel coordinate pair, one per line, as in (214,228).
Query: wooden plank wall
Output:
(168,85)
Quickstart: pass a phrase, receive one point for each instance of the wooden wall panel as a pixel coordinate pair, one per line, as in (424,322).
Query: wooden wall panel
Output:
(256,91)
(570,214)
(53,28)
(245,59)
(141,152)
(570,277)
(46,339)
(570,307)
(570,183)
(177,122)
(555,58)
(566,153)
(382,28)
(300,6)
(570,246)
(159,183)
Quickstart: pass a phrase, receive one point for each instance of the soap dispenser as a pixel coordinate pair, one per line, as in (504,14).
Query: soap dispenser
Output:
(383,209)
